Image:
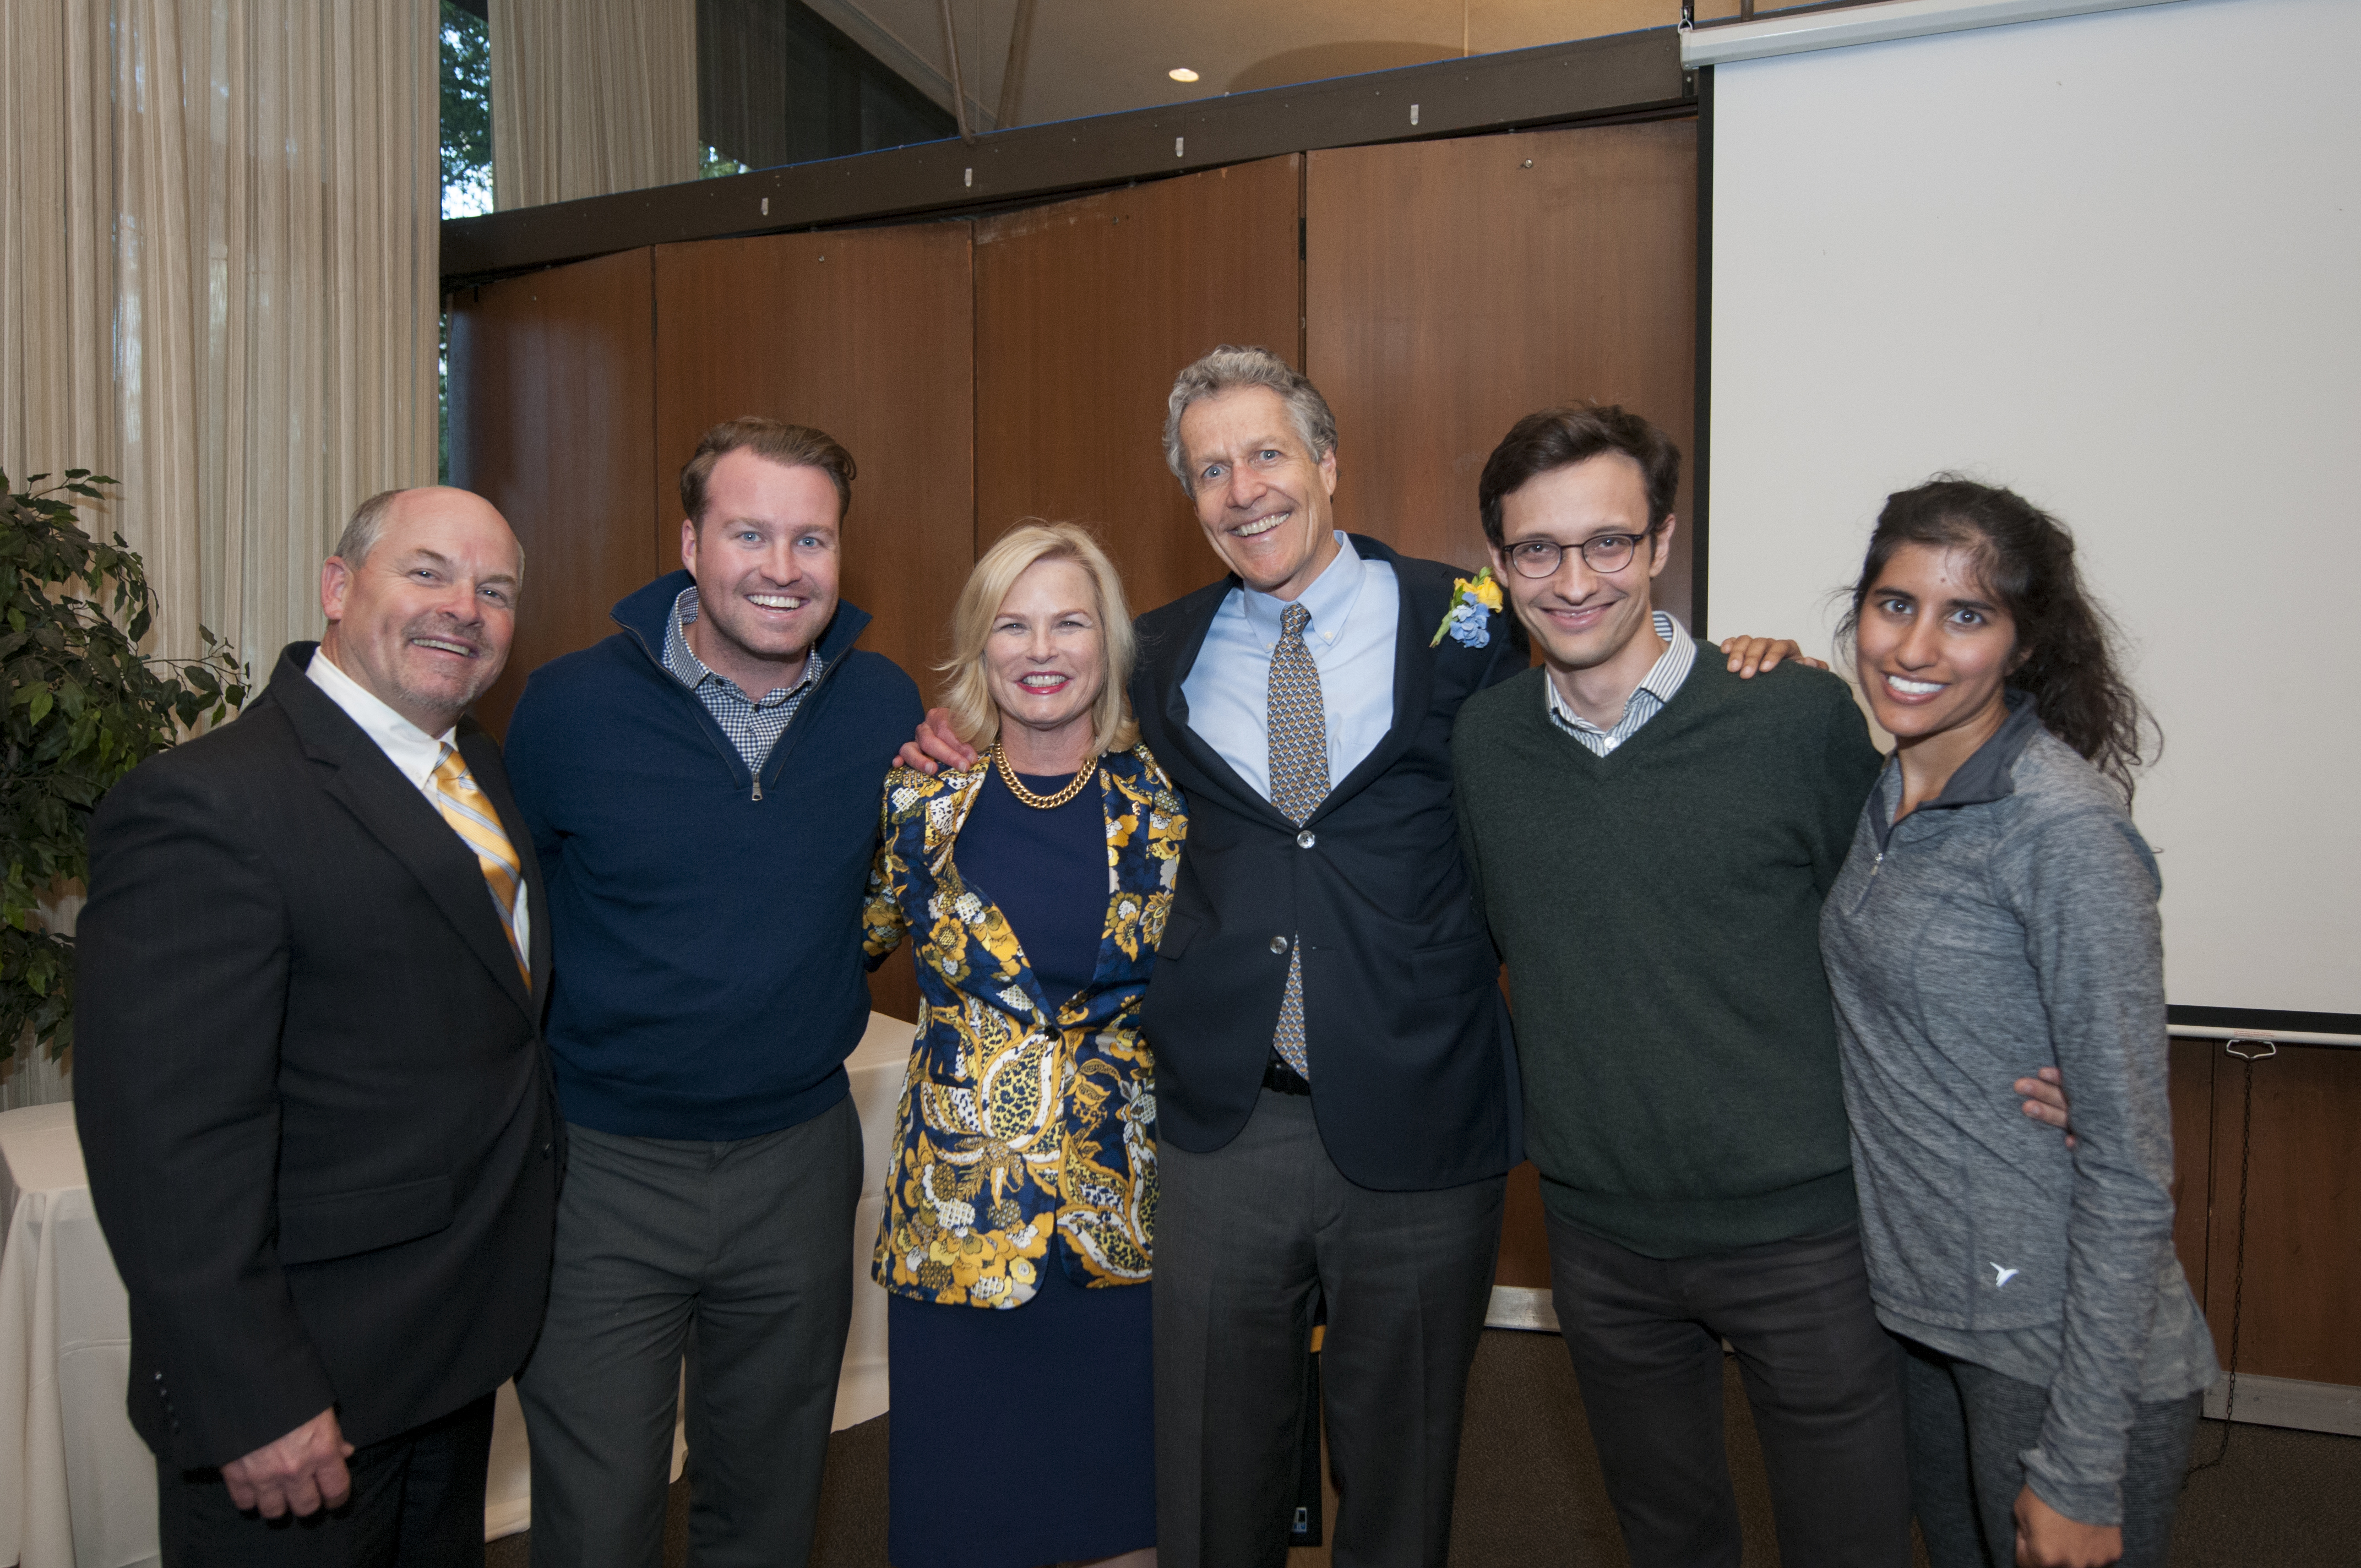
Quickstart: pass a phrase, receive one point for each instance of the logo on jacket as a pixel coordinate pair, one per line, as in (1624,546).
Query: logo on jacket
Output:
(2002,1276)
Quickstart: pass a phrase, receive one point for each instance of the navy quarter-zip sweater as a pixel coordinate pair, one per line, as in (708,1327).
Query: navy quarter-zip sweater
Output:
(705,922)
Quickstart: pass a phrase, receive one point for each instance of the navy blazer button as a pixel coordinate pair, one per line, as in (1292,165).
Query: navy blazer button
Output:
(1279,944)
(1306,839)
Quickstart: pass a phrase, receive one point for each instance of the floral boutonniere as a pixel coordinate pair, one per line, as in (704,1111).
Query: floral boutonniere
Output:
(1468,620)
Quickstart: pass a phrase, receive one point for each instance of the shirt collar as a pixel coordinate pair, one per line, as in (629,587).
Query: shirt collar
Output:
(414,752)
(690,670)
(1330,598)
(1663,679)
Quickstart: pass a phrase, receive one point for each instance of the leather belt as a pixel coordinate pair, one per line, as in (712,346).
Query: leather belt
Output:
(1282,1078)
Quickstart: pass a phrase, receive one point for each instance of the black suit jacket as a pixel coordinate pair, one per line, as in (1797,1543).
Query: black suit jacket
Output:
(1413,1072)
(310,1085)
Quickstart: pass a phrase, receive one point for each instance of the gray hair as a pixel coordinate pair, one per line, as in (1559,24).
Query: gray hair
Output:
(368,526)
(1230,368)
(361,534)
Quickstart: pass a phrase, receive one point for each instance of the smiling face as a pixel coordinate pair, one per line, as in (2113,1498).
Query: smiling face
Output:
(1934,647)
(1583,619)
(1045,663)
(1261,495)
(765,557)
(425,620)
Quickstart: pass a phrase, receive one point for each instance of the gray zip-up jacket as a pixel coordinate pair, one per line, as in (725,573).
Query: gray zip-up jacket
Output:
(2006,925)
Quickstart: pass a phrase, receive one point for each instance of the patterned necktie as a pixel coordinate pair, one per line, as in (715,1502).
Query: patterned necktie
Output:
(1299,782)
(471,816)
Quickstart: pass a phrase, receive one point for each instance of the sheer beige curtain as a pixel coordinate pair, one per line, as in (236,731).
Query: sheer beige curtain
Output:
(218,283)
(590,96)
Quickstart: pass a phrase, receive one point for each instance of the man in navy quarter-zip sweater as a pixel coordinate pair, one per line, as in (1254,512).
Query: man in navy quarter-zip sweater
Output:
(702,789)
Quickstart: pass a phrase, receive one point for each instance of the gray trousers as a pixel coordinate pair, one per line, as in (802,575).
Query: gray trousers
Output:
(1822,1376)
(1249,1239)
(1969,1427)
(740,1256)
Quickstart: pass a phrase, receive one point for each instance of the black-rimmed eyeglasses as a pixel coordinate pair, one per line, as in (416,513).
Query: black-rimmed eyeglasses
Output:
(1602,553)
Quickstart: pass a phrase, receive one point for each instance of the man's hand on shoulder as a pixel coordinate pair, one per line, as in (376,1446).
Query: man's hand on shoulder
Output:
(1749,654)
(935,746)
(300,1473)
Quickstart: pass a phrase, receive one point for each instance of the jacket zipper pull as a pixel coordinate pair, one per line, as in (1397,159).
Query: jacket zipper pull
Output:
(1869,884)
(758,794)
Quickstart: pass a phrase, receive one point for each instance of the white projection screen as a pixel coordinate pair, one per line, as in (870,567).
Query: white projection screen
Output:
(2112,261)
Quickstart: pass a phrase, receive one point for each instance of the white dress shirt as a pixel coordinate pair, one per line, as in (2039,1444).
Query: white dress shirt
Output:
(1356,608)
(413,753)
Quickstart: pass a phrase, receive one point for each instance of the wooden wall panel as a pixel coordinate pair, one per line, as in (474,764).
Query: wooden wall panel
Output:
(1084,312)
(2191,1087)
(1453,286)
(552,398)
(867,334)
(2301,1173)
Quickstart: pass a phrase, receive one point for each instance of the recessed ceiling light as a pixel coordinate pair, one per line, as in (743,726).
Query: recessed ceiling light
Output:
(1181,73)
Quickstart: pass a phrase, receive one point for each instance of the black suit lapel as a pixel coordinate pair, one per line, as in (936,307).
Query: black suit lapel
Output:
(397,815)
(1420,609)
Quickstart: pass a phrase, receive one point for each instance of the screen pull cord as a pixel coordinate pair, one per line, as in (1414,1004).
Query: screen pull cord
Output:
(2248,1058)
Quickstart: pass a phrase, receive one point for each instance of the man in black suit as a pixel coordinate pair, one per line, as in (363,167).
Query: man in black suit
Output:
(309,1077)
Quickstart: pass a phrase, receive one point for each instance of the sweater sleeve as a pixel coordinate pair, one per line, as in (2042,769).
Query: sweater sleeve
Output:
(1849,769)
(2085,888)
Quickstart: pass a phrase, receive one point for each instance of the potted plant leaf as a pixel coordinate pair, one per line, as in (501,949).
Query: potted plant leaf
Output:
(84,707)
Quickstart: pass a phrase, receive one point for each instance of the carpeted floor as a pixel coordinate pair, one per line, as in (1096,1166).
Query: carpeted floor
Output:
(1530,1492)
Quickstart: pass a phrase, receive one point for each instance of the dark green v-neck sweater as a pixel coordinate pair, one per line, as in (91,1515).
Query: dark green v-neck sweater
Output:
(1659,911)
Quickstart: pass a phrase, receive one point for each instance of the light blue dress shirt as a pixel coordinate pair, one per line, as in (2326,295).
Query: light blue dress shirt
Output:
(1356,608)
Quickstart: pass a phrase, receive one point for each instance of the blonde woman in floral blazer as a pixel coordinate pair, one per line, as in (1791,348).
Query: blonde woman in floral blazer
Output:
(1033,887)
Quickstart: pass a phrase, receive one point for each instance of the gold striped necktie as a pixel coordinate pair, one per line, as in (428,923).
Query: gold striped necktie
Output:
(471,816)
(1299,782)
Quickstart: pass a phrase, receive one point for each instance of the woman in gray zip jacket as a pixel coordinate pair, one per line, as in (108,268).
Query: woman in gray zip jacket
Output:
(1998,914)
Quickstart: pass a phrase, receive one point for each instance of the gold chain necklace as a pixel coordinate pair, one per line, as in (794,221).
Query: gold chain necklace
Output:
(1040,802)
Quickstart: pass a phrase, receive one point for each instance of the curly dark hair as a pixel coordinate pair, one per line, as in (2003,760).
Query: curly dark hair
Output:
(2065,653)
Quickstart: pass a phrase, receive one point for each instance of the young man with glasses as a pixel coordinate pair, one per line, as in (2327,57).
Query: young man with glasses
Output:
(1651,844)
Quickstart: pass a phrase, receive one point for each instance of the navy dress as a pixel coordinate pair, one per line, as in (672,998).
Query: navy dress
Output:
(957,1373)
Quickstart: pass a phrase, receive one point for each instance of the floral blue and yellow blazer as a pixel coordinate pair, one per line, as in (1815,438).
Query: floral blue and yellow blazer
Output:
(1017,1125)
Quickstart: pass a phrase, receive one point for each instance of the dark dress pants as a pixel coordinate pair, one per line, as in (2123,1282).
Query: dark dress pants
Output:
(737,1255)
(1823,1379)
(417,1502)
(1249,1239)
(1969,1427)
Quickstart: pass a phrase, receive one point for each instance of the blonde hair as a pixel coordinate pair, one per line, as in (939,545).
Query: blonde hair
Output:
(975,716)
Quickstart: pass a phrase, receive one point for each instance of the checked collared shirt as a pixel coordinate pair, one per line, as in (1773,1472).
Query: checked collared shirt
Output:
(753,724)
(1648,700)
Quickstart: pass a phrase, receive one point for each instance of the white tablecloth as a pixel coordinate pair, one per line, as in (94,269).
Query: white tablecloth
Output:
(77,1487)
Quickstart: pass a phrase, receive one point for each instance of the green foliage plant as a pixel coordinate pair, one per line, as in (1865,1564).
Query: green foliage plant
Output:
(84,707)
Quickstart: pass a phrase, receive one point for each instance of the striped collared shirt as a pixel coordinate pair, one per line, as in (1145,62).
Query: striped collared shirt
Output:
(753,725)
(1647,700)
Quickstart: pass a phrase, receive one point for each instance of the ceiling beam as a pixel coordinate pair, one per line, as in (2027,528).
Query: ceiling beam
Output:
(1626,73)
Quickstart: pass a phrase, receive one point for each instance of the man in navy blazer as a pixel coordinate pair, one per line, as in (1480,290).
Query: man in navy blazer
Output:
(310,1083)
(1366,1175)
